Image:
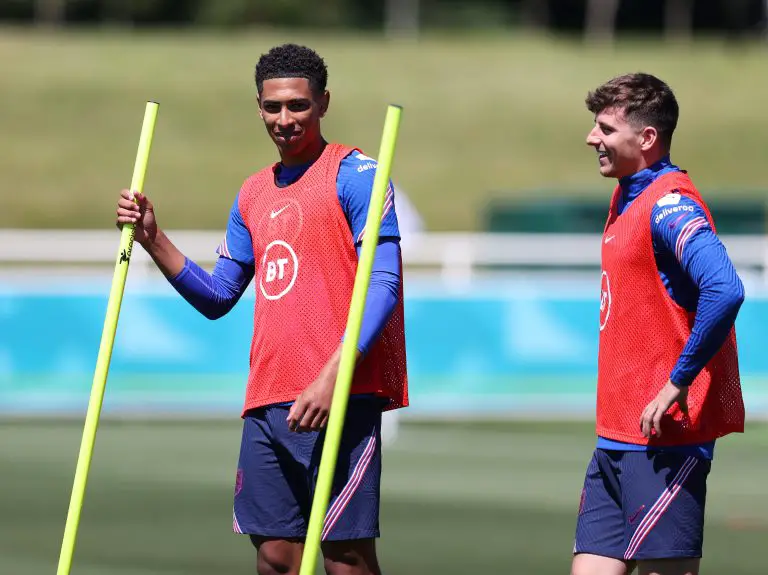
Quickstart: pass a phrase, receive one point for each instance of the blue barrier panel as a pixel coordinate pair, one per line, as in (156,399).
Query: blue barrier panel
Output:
(505,349)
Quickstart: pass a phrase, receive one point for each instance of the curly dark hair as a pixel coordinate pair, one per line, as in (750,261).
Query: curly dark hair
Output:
(292,61)
(645,99)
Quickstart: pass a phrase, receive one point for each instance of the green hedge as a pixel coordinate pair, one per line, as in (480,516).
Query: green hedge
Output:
(581,215)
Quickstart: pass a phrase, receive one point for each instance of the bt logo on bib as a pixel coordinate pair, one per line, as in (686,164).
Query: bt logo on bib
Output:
(279,266)
(272,268)
(605,300)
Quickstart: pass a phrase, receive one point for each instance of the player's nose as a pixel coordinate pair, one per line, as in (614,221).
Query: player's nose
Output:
(285,119)
(592,139)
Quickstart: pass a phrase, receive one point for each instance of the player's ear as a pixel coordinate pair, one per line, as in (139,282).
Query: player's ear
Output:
(325,100)
(258,103)
(648,138)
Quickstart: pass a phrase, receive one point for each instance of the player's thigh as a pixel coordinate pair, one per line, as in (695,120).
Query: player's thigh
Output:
(664,495)
(668,567)
(351,557)
(353,511)
(277,556)
(588,564)
(600,521)
(271,491)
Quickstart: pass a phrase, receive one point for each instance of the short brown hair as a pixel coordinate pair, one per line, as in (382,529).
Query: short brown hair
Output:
(645,100)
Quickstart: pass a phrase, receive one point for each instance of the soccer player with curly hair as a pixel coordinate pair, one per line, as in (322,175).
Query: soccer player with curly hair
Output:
(296,228)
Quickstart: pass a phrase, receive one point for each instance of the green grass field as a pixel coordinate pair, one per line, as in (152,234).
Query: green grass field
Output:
(458,498)
(484,115)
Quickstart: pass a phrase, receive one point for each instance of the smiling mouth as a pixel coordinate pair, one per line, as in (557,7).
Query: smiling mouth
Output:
(287,137)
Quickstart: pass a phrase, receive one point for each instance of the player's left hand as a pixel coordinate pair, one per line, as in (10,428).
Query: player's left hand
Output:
(650,421)
(310,410)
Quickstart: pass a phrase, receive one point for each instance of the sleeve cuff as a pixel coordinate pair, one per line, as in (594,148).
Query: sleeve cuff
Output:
(680,379)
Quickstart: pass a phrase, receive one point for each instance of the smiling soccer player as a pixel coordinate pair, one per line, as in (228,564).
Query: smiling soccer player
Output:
(297,227)
(668,376)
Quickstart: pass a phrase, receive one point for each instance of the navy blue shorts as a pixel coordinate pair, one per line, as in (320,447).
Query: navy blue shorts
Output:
(640,505)
(277,473)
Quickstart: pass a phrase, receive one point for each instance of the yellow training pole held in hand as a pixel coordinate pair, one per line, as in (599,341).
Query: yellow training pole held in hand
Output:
(349,348)
(105,350)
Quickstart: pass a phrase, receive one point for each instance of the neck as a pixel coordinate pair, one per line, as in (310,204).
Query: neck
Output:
(648,161)
(633,185)
(307,155)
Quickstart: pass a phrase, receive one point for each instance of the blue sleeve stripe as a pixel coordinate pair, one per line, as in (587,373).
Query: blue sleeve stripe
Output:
(686,232)
(388,203)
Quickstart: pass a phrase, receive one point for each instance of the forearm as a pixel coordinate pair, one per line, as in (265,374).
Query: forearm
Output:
(333,364)
(713,323)
(383,293)
(166,256)
(721,294)
(214,294)
(380,302)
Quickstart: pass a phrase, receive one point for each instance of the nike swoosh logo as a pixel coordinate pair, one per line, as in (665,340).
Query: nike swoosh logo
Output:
(609,238)
(274,214)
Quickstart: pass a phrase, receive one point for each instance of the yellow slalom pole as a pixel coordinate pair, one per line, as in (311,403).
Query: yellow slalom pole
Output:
(105,351)
(348,351)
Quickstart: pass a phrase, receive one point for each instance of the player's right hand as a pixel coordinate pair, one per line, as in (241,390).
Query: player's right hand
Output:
(650,421)
(140,213)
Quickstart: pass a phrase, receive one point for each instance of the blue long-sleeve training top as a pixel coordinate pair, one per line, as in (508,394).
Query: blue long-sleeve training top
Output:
(698,274)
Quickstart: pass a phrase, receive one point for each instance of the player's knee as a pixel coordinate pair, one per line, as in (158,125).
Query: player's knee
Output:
(588,564)
(669,567)
(273,564)
(276,558)
(336,567)
(350,558)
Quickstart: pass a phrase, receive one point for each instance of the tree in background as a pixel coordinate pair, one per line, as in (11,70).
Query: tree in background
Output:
(600,22)
(50,13)
(678,19)
(597,20)
(535,14)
